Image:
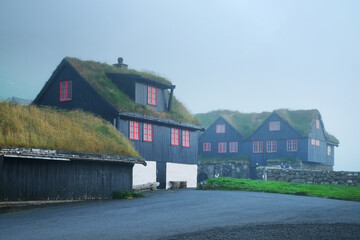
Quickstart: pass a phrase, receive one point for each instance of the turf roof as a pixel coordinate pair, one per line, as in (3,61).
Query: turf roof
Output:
(55,129)
(95,74)
(247,123)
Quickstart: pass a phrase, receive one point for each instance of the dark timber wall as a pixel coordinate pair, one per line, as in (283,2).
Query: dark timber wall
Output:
(32,179)
(83,95)
(161,150)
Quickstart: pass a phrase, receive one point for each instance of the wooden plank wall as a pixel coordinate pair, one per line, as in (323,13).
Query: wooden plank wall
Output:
(31,179)
(161,150)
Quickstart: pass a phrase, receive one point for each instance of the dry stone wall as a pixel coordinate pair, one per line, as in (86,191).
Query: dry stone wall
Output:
(234,169)
(309,176)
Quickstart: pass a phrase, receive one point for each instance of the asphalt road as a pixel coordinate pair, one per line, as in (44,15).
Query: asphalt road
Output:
(167,213)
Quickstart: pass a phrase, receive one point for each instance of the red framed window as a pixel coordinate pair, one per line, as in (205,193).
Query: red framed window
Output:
(175,136)
(186,138)
(220,128)
(207,147)
(271,146)
(313,141)
(258,146)
(318,124)
(274,126)
(148,132)
(152,95)
(292,145)
(134,130)
(317,143)
(233,147)
(222,147)
(329,150)
(65,91)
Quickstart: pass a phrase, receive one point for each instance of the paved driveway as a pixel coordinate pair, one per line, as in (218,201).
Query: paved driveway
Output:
(166,213)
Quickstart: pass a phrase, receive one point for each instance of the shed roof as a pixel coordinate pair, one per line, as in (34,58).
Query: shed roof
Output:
(56,155)
(247,123)
(97,75)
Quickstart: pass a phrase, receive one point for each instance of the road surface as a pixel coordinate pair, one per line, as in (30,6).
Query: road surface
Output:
(166,213)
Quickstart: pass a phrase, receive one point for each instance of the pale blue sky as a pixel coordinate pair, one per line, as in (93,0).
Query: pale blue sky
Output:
(250,56)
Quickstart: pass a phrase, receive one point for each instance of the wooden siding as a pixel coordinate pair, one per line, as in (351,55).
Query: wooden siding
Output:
(32,179)
(285,133)
(230,135)
(318,154)
(141,97)
(83,95)
(160,149)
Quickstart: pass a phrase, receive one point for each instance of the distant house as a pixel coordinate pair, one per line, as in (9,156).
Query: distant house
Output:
(221,140)
(294,135)
(282,134)
(140,105)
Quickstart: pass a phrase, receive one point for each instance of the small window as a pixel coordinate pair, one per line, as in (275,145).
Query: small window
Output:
(317,143)
(152,96)
(233,147)
(291,145)
(257,146)
(222,147)
(329,150)
(134,130)
(65,91)
(148,132)
(175,136)
(220,128)
(274,126)
(186,138)
(207,147)
(271,146)
(317,124)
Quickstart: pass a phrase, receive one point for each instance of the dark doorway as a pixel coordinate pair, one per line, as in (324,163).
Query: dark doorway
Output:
(161,174)
(253,174)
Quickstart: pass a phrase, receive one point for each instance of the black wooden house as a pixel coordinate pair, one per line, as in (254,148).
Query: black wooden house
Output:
(139,105)
(221,140)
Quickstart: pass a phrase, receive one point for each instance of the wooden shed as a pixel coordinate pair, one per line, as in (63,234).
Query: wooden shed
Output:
(33,174)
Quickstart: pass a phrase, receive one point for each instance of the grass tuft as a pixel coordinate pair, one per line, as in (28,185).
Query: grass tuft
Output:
(127,194)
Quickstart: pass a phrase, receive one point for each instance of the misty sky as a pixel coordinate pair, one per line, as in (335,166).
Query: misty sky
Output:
(250,56)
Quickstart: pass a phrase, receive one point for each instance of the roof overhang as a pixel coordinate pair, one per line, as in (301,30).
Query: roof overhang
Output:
(160,121)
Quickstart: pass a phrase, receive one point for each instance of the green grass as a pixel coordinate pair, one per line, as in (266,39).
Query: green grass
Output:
(341,192)
(46,128)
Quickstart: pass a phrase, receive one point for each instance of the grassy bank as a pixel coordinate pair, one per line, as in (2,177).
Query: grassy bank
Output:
(74,131)
(341,192)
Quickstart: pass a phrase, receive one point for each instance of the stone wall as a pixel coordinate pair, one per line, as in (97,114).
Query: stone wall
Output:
(234,169)
(298,164)
(308,176)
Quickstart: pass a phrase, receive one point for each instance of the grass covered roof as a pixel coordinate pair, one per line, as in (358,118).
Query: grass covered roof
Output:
(95,74)
(72,131)
(247,123)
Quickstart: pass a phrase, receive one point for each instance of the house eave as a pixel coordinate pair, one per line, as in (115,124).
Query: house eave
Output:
(160,121)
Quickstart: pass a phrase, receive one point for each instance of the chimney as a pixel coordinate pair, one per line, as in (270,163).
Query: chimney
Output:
(120,64)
